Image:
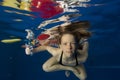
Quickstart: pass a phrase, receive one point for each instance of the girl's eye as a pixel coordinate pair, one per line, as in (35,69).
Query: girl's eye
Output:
(73,43)
(64,43)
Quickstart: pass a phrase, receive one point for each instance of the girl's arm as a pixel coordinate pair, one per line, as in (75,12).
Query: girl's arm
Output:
(53,65)
(84,48)
(53,51)
(83,54)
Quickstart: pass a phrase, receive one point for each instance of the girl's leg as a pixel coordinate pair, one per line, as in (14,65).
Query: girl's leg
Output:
(49,65)
(53,65)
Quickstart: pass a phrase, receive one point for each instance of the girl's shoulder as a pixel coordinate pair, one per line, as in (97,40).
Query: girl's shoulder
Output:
(54,51)
(59,53)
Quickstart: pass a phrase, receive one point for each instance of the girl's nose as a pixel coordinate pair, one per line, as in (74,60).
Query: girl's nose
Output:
(69,46)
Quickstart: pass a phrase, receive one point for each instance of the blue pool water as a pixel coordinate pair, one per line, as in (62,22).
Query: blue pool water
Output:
(104,56)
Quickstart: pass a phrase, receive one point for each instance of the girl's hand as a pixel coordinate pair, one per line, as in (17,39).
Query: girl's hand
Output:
(28,51)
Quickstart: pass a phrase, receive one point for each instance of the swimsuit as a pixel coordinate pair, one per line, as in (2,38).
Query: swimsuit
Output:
(62,56)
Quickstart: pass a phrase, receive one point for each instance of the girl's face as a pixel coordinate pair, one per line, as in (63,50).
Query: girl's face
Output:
(68,45)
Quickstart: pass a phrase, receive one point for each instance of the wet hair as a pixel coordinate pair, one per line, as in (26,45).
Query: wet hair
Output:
(19,1)
(77,35)
(75,26)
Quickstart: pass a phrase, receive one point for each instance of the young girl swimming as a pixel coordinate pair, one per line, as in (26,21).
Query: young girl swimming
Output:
(68,56)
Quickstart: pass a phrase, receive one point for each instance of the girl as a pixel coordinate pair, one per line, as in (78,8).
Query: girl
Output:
(70,55)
